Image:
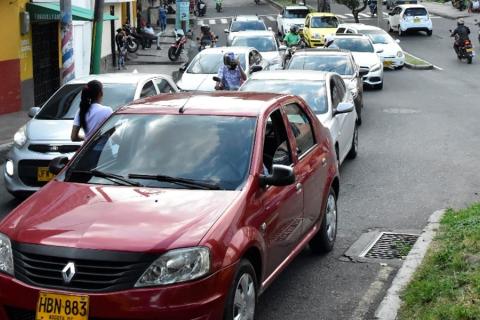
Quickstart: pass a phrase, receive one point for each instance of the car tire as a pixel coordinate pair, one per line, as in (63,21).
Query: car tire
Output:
(324,240)
(244,282)
(429,33)
(399,67)
(379,86)
(352,154)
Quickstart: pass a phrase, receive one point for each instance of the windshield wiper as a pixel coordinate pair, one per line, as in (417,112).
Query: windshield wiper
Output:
(180,181)
(118,179)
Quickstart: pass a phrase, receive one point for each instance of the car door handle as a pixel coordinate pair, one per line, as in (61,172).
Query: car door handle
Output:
(298,186)
(324,162)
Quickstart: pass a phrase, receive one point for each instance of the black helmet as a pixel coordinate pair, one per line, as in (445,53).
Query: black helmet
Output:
(205,29)
(294,29)
(229,60)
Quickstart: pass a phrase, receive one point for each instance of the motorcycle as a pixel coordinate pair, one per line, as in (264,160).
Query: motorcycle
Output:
(201,8)
(133,39)
(177,48)
(219,5)
(464,50)
(290,51)
(206,43)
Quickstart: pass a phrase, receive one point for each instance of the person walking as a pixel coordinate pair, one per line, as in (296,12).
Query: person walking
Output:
(91,113)
(121,41)
(162,15)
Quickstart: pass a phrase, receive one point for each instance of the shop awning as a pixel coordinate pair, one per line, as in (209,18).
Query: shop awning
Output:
(48,11)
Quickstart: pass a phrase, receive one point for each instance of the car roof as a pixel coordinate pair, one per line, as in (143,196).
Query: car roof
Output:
(246,18)
(406,6)
(255,33)
(294,75)
(321,14)
(350,35)
(247,104)
(322,51)
(117,78)
(216,50)
(296,8)
(359,26)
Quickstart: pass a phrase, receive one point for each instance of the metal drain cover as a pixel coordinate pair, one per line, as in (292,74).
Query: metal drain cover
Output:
(389,245)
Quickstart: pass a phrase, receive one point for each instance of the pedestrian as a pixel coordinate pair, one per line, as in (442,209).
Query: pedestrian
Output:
(162,15)
(121,41)
(91,113)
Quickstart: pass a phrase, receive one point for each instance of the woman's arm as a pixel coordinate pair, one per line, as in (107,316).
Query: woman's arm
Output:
(75,136)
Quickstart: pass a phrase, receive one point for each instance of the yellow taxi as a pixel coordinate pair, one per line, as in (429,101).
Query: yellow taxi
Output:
(317,26)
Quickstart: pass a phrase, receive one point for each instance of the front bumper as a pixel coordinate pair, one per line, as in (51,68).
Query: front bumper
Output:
(202,299)
(373,77)
(393,62)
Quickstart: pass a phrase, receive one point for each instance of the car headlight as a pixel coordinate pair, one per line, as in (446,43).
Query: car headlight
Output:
(376,67)
(9,168)
(6,257)
(20,137)
(400,54)
(175,266)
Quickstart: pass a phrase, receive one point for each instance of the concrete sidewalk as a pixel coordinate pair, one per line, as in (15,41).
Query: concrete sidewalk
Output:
(446,10)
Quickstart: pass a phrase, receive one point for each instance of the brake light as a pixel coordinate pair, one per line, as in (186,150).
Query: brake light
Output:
(466,42)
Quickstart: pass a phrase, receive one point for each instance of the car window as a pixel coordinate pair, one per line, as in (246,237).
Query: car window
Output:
(276,149)
(378,36)
(335,94)
(340,64)
(163,86)
(209,63)
(350,31)
(296,13)
(340,85)
(148,90)
(410,12)
(341,30)
(211,149)
(312,91)
(301,127)
(324,22)
(262,44)
(354,45)
(238,26)
(257,57)
(64,104)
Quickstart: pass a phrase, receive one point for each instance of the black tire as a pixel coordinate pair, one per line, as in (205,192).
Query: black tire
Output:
(379,86)
(469,60)
(323,242)
(399,67)
(244,268)
(429,33)
(171,54)
(352,154)
(132,46)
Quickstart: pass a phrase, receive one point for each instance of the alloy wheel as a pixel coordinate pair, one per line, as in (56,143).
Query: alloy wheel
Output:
(244,301)
(331,216)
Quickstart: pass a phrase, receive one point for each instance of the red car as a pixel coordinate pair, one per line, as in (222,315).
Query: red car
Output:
(182,206)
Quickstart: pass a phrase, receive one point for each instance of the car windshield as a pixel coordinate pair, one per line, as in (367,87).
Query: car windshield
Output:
(295,13)
(339,64)
(312,91)
(412,12)
(262,44)
(65,103)
(209,63)
(378,36)
(209,149)
(354,45)
(238,26)
(324,22)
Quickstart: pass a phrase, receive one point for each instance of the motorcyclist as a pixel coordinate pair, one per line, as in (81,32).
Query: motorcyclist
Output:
(201,8)
(292,38)
(460,33)
(230,74)
(207,37)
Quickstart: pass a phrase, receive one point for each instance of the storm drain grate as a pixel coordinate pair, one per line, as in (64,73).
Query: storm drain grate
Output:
(390,245)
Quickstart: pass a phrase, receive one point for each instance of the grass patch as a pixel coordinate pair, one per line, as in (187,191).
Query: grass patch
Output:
(415,61)
(447,284)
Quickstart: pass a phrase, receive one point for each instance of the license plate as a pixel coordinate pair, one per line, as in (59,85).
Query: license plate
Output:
(416,20)
(44,175)
(470,50)
(387,63)
(52,306)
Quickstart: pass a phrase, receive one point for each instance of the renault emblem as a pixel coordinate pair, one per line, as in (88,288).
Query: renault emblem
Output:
(68,272)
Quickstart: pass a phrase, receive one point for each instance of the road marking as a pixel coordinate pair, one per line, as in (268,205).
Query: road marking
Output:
(211,21)
(363,15)
(224,21)
(270,18)
(200,23)
(350,15)
(434,66)
(341,16)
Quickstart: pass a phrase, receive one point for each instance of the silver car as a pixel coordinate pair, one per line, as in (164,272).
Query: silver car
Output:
(47,134)
(244,23)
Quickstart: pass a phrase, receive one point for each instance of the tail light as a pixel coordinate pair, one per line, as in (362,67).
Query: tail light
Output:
(467,42)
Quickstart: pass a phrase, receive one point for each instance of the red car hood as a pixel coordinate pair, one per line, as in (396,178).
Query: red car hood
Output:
(116,218)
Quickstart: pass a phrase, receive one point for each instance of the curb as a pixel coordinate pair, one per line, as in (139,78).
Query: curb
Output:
(4,148)
(419,67)
(390,305)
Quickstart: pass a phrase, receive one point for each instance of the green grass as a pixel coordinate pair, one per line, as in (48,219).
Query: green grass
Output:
(415,61)
(447,284)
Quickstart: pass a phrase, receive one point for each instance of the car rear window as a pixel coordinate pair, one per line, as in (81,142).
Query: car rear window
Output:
(295,13)
(411,12)
(354,45)
(209,63)
(262,44)
(324,22)
(339,64)
(238,26)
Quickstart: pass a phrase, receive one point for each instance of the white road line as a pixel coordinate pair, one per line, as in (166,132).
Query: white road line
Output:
(224,21)
(350,15)
(200,22)
(363,15)
(434,66)
(270,18)
(212,21)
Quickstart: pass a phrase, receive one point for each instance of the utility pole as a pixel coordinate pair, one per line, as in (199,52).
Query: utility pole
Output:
(97,37)
(68,62)
(380,14)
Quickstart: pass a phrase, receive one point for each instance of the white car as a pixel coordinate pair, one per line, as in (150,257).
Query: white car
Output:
(325,93)
(409,17)
(244,23)
(365,56)
(265,42)
(390,52)
(198,75)
(290,16)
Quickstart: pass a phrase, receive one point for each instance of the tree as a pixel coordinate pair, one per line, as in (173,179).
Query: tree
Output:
(354,5)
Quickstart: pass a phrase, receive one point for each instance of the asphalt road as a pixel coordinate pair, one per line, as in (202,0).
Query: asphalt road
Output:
(418,153)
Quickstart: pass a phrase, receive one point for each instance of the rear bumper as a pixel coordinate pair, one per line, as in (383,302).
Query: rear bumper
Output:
(203,299)
(410,26)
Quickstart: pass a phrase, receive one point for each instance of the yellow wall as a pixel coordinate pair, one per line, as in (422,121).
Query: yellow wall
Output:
(15,46)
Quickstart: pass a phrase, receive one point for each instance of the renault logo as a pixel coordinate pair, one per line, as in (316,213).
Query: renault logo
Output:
(68,272)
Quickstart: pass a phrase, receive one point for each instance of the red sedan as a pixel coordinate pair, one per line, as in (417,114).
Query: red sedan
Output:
(184,206)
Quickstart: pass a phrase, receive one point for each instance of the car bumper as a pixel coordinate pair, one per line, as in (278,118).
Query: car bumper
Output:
(393,62)
(373,77)
(199,300)
(411,26)
(316,42)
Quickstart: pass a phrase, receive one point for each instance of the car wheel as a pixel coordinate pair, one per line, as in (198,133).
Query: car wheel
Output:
(379,86)
(242,299)
(429,33)
(324,240)
(352,154)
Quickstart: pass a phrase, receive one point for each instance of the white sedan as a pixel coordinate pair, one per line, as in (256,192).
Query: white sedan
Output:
(291,16)
(265,42)
(325,93)
(198,75)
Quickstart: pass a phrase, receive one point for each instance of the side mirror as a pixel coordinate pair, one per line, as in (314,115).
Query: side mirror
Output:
(281,176)
(57,164)
(33,112)
(379,51)
(226,31)
(282,48)
(217,79)
(343,107)
(256,69)
(363,71)
(397,40)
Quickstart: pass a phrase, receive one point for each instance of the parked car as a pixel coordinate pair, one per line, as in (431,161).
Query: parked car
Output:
(198,74)
(47,134)
(244,23)
(411,17)
(290,16)
(365,56)
(317,26)
(265,42)
(393,3)
(179,207)
(388,49)
(333,60)
(325,93)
